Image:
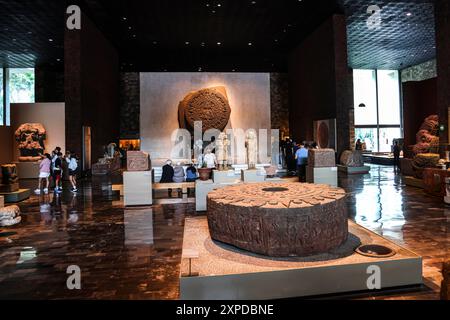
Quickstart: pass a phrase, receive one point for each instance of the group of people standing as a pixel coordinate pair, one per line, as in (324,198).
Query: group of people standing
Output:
(52,166)
(295,157)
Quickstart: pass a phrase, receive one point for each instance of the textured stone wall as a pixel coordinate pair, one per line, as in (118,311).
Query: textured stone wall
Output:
(279,102)
(129,105)
(442,8)
(420,72)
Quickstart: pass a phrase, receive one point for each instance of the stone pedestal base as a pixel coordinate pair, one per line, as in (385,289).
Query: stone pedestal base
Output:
(224,176)
(413,182)
(8,188)
(202,188)
(137,188)
(252,176)
(354,170)
(27,170)
(322,175)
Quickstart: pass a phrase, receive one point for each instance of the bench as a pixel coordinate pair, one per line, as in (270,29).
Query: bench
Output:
(184,186)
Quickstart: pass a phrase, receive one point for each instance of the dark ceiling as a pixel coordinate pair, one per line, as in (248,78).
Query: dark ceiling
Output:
(405,37)
(217,35)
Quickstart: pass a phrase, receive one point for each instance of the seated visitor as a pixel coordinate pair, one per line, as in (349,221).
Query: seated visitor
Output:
(167,173)
(178,176)
(191,173)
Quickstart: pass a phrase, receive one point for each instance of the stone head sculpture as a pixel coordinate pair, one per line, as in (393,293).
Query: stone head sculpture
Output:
(31,137)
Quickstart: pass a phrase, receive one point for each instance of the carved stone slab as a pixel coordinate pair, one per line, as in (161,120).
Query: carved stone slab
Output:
(352,158)
(279,219)
(320,158)
(138,161)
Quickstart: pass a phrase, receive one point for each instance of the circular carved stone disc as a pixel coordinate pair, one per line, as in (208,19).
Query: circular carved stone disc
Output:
(209,106)
(279,219)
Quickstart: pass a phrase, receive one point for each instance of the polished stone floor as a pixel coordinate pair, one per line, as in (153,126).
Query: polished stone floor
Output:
(136,253)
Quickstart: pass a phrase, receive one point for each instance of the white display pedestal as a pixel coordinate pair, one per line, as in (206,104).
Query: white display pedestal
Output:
(253,176)
(224,176)
(322,175)
(137,188)
(202,188)
(27,170)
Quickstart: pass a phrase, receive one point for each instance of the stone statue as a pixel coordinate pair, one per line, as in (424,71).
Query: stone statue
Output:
(10,179)
(352,158)
(31,137)
(428,136)
(9,216)
(222,151)
(251,144)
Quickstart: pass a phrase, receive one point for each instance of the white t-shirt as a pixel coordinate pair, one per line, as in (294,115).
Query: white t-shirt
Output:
(210,159)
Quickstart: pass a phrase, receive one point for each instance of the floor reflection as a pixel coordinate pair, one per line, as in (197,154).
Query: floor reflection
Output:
(136,253)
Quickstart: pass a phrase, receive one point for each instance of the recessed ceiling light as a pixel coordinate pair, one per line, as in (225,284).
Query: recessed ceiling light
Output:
(187,43)
(409,14)
(219,43)
(51,40)
(219,5)
(124,18)
(250,44)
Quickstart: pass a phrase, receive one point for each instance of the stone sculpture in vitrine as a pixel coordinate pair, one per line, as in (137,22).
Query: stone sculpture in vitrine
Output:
(321,158)
(222,151)
(251,145)
(138,161)
(31,138)
(210,106)
(352,158)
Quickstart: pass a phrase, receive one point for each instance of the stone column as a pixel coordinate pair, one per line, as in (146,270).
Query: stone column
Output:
(344,88)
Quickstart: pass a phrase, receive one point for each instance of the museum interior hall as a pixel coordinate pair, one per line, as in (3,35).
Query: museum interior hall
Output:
(225,150)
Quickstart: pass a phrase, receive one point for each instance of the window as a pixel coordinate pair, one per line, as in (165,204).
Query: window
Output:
(389,97)
(365,89)
(377,108)
(20,84)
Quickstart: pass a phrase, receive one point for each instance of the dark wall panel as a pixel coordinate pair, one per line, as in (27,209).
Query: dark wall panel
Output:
(419,102)
(320,83)
(91,88)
